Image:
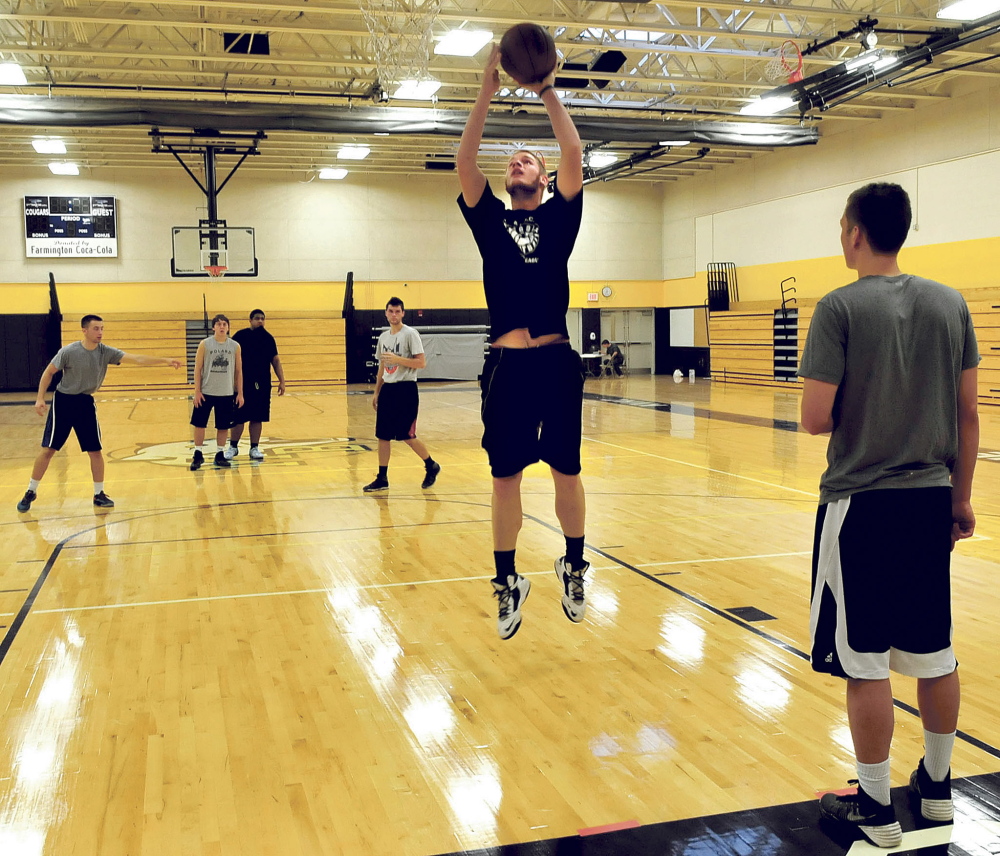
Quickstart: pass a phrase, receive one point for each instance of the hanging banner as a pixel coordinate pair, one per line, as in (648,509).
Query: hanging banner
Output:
(70,227)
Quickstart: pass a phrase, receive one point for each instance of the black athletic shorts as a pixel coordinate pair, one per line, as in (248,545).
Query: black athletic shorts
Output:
(396,417)
(533,408)
(223,406)
(72,413)
(881,587)
(256,403)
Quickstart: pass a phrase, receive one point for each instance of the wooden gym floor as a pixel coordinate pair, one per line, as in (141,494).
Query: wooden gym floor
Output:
(267,661)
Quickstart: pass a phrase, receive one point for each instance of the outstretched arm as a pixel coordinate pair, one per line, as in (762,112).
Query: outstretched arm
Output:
(569,181)
(142,360)
(471,177)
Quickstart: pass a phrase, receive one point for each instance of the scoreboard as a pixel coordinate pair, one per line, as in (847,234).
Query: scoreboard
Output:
(70,227)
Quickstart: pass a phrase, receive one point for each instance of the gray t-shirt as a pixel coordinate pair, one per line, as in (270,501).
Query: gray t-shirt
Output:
(84,370)
(218,372)
(896,347)
(406,343)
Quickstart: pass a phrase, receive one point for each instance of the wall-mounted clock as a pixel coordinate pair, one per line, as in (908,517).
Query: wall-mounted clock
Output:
(606,291)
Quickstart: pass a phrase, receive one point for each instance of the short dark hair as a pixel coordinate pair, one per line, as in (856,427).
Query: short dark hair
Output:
(85,321)
(395,301)
(219,317)
(605,342)
(882,212)
(257,312)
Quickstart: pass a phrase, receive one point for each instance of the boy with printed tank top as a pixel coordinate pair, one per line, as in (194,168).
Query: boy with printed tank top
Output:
(532,383)
(83,365)
(890,371)
(218,376)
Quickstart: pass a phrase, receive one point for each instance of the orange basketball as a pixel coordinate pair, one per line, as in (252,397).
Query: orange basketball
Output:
(528,53)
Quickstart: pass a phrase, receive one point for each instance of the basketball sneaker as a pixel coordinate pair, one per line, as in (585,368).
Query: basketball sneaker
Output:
(379,484)
(256,454)
(431,476)
(510,597)
(874,821)
(102,500)
(231,452)
(220,460)
(197,460)
(29,497)
(935,797)
(574,602)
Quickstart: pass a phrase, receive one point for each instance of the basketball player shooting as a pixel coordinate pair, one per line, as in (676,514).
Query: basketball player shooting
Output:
(532,384)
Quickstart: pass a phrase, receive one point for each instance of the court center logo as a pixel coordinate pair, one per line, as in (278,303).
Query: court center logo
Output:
(277,452)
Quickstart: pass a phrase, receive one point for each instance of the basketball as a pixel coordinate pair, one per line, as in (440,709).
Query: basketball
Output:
(528,53)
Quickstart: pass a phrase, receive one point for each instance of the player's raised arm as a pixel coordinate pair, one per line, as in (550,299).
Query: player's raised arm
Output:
(471,177)
(569,179)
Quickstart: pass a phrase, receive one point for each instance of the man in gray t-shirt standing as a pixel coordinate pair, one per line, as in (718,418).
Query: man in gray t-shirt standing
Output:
(400,354)
(83,365)
(890,370)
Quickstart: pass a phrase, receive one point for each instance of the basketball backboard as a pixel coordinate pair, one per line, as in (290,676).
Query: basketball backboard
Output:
(197,248)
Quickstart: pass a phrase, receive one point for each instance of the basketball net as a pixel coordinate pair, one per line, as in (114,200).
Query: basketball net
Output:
(400,33)
(787,65)
(216,271)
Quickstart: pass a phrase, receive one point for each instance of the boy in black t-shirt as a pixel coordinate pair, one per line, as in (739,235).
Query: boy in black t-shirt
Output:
(532,386)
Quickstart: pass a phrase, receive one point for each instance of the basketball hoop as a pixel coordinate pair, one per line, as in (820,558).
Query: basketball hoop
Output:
(787,64)
(400,37)
(216,271)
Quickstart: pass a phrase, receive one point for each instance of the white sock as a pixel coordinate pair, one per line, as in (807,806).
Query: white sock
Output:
(199,448)
(222,448)
(874,778)
(33,484)
(98,488)
(937,754)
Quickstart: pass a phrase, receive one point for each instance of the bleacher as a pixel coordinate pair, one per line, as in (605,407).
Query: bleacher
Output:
(312,347)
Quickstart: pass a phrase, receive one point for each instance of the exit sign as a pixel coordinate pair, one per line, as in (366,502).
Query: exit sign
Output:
(592,296)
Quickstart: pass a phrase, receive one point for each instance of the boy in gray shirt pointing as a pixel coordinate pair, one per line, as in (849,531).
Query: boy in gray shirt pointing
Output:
(83,365)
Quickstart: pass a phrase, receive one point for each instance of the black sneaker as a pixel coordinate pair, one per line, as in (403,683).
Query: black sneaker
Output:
(935,797)
(859,811)
(432,474)
(379,484)
(197,460)
(510,598)
(29,497)
(220,459)
(102,500)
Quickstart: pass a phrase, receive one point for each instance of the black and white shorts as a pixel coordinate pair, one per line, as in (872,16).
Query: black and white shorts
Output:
(532,409)
(72,413)
(396,416)
(881,585)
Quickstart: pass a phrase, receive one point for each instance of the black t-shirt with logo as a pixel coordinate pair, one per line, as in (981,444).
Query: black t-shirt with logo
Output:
(525,261)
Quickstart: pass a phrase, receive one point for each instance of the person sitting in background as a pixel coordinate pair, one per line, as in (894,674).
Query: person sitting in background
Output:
(614,359)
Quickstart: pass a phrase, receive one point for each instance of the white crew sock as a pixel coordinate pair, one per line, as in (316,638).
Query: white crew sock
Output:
(98,488)
(33,484)
(937,754)
(874,778)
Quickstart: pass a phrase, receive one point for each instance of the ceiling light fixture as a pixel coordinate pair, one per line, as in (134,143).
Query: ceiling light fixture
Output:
(601,159)
(969,10)
(769,105)
(332,173)
(353,152)
(11,74)
(49,147)
(674,143)
(58,168)
(417,90)
(462,42)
